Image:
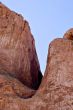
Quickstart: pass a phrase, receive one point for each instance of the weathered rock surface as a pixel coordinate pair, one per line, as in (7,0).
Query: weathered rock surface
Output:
(17,49)
(69,34)
(11,86)
(56,89)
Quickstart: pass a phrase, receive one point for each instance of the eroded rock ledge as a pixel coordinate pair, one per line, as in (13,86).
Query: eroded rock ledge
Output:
(20,71)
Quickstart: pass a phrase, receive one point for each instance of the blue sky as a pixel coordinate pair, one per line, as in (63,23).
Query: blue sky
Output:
(48,19)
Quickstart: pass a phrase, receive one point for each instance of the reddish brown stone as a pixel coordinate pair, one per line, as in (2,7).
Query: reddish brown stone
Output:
(56,89)
(69,34)
(13,87)
(17,49)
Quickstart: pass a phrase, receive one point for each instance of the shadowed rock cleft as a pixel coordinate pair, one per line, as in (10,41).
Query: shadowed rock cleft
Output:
(20,76)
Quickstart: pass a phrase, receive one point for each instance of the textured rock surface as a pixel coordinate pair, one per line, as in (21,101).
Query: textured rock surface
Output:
(56,89)
(11,86)
(69,34)
(17,49)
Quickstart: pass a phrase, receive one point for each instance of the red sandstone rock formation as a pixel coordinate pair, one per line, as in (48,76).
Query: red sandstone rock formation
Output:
(56,89)
(17,49)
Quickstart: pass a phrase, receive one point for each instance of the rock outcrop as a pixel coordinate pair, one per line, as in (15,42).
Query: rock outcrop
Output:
(69,34)
(17,49)
(56,89)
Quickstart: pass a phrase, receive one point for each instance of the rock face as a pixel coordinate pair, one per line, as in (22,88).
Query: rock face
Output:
(57,85)
(56,89)
(17,49)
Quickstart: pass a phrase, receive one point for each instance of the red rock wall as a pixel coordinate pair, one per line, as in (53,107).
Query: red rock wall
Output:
(19,63)
(17,49)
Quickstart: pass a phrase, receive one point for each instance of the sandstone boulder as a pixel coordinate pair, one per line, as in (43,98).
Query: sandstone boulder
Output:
(17,49)
(69,34)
